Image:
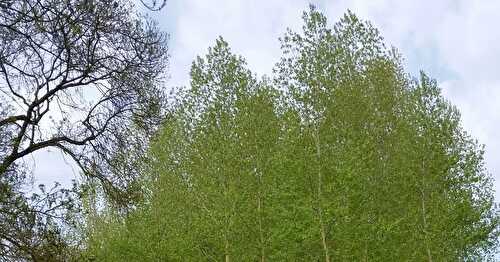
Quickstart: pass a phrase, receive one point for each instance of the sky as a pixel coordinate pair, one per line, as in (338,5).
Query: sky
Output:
(455,42)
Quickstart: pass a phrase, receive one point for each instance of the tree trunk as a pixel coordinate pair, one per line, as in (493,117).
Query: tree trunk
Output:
(226,249)
(319,196)
(366,252)
(261,233)
(424,216)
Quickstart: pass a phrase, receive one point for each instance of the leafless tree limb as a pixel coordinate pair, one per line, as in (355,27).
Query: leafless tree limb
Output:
(74,75)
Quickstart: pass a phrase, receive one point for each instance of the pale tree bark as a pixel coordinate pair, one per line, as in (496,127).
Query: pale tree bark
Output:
(320,197)
(227,252)
(227,245)
(261,231)
(424,216)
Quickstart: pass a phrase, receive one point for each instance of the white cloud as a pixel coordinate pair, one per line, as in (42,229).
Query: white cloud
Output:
(50,166)
(251,27)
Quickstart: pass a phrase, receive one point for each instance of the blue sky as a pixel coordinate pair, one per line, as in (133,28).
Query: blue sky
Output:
(456,42)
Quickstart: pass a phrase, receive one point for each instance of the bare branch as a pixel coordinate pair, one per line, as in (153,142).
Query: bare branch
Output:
(72,77)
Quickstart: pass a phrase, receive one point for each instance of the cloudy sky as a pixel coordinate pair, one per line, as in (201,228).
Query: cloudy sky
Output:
(456,42)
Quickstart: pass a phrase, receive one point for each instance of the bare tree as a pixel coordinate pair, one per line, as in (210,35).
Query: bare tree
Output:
(71,73)
(75,75)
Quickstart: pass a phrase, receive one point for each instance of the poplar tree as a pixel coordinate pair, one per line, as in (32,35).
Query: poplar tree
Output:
(212,172)
(341,157)
(385,151)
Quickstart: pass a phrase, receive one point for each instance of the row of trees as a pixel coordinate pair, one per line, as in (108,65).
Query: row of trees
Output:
(341,156)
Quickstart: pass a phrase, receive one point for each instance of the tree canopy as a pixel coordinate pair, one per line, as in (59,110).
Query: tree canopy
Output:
(339,156)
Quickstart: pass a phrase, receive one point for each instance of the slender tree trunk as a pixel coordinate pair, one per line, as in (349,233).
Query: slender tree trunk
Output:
(226,249)
(319,196)
(424,217)
(259,175)
(228,220)
(261,233)
(366,252)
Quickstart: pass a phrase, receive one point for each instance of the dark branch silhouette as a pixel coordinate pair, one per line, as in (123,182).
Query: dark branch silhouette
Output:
(75,75)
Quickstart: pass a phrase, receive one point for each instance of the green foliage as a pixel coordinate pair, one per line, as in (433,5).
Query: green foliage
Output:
(342,157)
